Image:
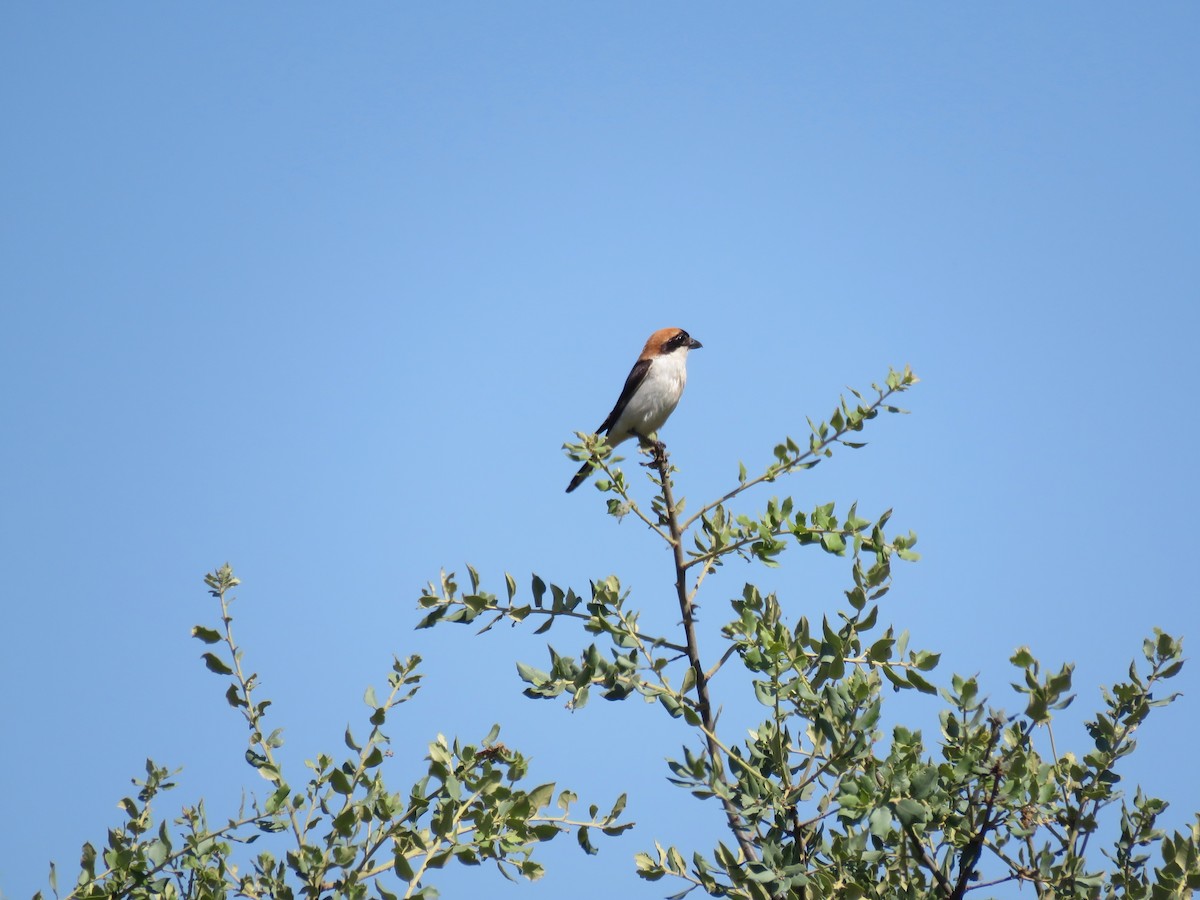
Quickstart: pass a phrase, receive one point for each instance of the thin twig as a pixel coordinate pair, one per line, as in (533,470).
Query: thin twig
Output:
(602,464)
(813,451)
(252,714)
(506,612)
(720,662)
(776,531)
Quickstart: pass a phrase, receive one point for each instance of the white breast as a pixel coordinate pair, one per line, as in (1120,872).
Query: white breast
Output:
(655,399)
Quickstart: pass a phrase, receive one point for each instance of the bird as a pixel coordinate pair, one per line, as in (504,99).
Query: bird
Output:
(651,392)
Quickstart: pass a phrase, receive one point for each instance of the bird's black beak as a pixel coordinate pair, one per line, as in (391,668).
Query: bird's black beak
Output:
(694,344)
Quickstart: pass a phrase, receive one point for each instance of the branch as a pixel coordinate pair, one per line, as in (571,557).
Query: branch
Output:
(466,831)
(688,611)
(784,527)
(974,848)
(930,862)
(642,639)
(186,851)
(251,712)
(445,598)
(1004,880)
(816,449)
(618,485)
(437,846)
(720,662)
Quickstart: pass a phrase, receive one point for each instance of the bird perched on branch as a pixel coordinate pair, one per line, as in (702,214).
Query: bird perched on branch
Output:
(651,392)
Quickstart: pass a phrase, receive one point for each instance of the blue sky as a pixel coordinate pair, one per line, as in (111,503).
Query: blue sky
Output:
(321,290)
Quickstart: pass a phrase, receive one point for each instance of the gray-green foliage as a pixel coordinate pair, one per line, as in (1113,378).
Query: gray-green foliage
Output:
(343,833)
(817,803)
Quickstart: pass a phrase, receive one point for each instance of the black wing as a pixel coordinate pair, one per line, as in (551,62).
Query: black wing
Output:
(636,376)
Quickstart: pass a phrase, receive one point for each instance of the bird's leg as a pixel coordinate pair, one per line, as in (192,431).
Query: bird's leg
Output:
(658,450)
(646,445)
(659,456)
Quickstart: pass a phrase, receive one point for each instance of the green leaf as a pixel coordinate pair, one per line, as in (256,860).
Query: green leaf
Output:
(911,812)
(833,543)
(647,868)
(277,799)
(926,661)
(689,680)
(765,692)
(618,807)
(343,823)
(340,782)
(540,796)
(546,832)
(87,860)
(1022,658)
(530,675)
(216,664)
(433,618)
(880,822)
(671,705)
(208,635)
(923,782)
(881,650)
(1172,670)
(403,870)
(920,683)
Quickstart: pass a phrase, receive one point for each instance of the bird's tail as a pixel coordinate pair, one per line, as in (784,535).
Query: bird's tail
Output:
(584,471)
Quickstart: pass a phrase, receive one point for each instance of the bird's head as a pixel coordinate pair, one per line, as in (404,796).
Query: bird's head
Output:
(669,340)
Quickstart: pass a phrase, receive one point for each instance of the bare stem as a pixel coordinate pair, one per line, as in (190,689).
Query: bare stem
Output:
(687,610)
(252,713)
